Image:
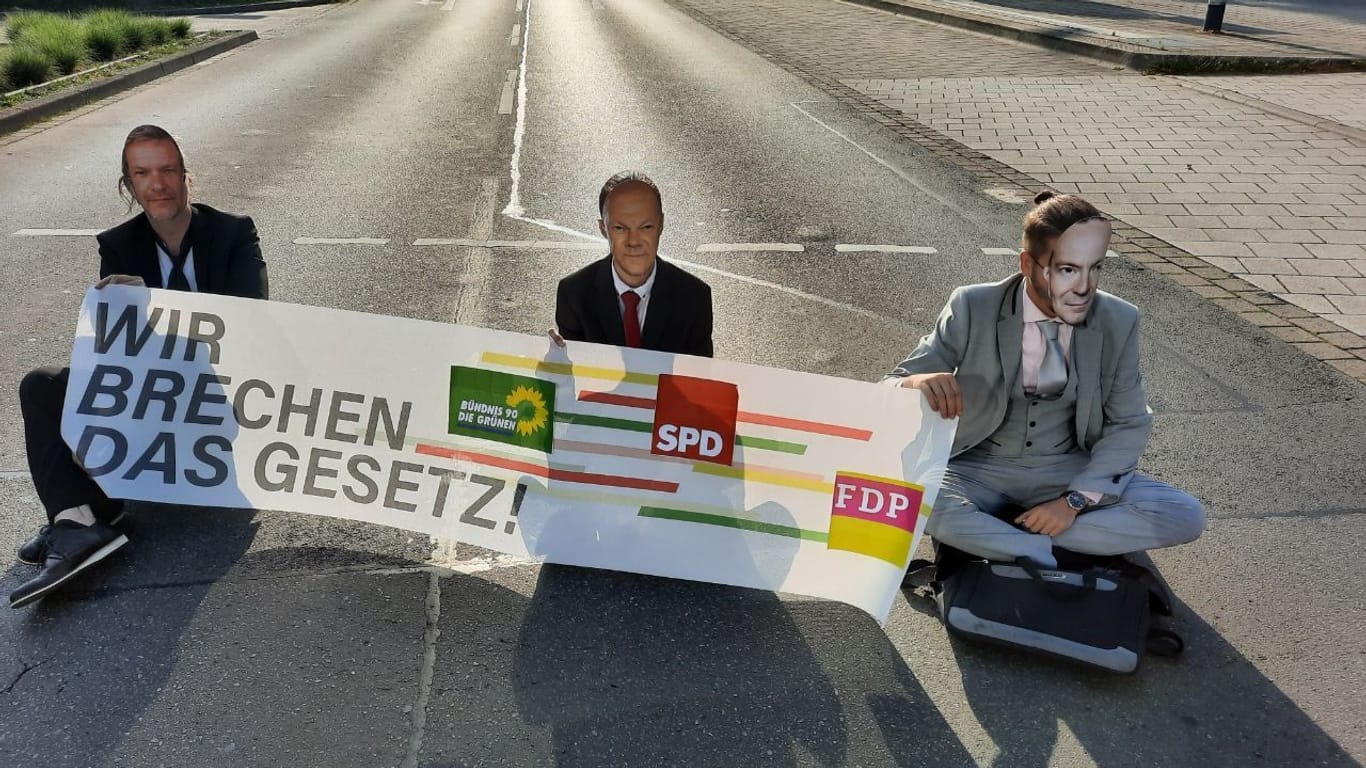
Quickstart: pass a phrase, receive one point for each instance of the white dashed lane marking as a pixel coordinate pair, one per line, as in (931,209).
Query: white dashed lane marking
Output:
(535,245)
(858,248)
(341,241)
(57,232)
(750,247)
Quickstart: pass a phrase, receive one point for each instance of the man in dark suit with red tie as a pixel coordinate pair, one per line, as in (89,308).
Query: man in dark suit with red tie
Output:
(171,244)
(631,297)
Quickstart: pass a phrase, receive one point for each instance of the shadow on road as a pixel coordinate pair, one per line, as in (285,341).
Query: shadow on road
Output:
(1209,707)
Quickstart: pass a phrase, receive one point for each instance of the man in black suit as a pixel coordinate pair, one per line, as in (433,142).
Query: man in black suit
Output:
(171,244)
(633,298)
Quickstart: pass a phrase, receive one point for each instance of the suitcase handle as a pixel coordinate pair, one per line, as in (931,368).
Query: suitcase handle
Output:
(1061,593)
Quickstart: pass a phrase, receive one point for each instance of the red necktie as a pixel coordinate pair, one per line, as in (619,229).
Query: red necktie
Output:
(630,319)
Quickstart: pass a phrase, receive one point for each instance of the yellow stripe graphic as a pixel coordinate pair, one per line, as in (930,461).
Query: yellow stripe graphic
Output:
(765,476)
(888,480)
(569,369)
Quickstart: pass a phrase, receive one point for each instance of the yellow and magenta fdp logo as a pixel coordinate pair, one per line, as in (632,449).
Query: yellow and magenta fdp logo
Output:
(874,516)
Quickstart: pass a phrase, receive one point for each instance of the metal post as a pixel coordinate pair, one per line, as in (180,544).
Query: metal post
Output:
(1214,16)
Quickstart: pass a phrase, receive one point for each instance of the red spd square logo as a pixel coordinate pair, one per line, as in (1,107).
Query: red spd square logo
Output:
(695,419)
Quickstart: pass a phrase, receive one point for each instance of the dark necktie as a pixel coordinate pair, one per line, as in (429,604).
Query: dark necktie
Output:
(630,319)
(177,281)
(1053,367)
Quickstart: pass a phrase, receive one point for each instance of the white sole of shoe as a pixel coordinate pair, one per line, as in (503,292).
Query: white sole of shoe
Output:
(97,556)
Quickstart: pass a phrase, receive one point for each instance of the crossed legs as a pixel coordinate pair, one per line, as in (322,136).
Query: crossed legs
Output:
(1149,515)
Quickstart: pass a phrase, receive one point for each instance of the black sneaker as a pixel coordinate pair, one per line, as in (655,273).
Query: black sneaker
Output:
(34,551)
(71,548)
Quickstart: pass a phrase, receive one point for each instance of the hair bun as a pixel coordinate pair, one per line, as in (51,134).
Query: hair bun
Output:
(1044,196)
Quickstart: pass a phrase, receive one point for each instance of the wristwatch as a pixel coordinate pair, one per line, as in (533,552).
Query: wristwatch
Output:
(1077,501)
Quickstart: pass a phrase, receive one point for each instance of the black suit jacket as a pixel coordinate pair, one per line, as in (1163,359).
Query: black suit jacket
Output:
(227,253)
(677,319)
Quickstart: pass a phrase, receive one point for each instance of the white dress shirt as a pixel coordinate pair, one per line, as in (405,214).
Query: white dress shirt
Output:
(643,290)
(164,259)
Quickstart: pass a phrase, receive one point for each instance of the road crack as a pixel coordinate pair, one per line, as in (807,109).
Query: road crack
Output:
(424,687)
(27,668)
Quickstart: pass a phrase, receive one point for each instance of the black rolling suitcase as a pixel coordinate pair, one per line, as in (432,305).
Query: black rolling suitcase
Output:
(1099,614)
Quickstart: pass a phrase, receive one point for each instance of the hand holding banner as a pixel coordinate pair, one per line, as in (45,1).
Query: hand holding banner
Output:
(589,455)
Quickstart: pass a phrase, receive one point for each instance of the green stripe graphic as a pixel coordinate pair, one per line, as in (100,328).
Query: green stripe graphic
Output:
(763,443)
(628,425)
(589,420)
(733,522)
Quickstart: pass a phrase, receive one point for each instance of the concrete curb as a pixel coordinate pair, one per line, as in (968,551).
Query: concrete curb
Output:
(1131,57)
(14,118)
(217,10)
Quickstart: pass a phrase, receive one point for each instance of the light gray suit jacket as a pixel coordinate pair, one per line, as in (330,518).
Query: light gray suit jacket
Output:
(978,337)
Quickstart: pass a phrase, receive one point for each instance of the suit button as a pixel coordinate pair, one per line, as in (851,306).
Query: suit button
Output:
(1029,443)
(1033,423)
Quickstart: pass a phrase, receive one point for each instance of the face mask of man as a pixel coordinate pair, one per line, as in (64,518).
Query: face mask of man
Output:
(1073,271)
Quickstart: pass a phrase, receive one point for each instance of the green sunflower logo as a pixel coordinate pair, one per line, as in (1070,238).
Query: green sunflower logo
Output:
(532,415)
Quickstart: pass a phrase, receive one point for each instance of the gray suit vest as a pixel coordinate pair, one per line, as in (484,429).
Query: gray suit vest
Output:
(1036,426)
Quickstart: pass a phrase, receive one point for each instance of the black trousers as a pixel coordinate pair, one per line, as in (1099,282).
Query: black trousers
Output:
(61,482)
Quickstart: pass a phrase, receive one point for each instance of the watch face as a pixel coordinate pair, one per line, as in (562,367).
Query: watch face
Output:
(1076,500)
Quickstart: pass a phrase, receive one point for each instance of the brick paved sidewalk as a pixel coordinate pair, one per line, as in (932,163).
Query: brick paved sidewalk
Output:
(1338,98)
(1259,204)
(1173,26)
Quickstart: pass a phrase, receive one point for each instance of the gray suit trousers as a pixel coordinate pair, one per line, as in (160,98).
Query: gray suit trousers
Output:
(977,487)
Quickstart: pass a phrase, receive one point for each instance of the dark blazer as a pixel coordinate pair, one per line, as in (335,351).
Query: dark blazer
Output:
(227,253)
(978,338)
(677,319)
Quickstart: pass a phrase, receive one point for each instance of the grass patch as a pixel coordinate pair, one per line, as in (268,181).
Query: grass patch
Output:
(59,38)
(66,43)
(25,66)
(103,38)
(171,47)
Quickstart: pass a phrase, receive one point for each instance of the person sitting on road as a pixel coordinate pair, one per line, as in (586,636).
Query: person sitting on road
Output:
(631,297)
(1042,369)
(171,244)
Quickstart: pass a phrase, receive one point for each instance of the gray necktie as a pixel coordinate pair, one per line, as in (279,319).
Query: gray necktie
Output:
(1053,368)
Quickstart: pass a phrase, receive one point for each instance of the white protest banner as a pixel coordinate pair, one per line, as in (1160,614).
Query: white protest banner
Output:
(592,455)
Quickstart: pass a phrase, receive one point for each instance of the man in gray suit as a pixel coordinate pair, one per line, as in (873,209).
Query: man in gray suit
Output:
(1042,369)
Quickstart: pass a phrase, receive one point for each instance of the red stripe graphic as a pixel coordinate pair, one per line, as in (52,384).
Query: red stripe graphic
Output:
(611,398)
(550,473)
(800,425)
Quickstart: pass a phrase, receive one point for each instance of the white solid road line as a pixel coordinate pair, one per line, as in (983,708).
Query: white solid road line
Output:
(514,207)
(857,248)
(897,171)
(750,247)
(785,289)
(57,232)
(341,241)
